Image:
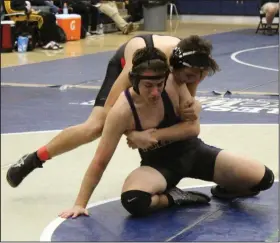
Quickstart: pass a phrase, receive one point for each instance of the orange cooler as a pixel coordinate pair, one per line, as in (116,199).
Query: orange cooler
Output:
(71,24)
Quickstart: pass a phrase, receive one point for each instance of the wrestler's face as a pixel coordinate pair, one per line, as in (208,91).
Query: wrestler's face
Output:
(189,75)
(151,90)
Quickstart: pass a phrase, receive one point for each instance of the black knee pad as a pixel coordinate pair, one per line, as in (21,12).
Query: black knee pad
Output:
(136,202)
(266,182)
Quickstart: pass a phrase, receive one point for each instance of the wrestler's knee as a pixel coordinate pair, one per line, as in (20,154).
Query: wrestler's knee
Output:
(136,202)
(93,126)
(92,130)
(266,182)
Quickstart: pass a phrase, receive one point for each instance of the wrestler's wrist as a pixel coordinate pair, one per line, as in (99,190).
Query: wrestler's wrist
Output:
(131,135)
(156,135)
(80,204)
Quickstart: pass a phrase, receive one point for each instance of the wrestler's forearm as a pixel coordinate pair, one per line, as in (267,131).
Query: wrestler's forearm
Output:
(178,132)
(192,88)
(90,182)
(112,97)
(114,127)
(118,87)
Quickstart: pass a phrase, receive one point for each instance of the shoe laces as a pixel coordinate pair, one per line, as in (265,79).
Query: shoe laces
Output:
(21,162)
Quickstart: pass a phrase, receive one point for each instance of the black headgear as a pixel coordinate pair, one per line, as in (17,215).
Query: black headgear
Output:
(135,77)
(194,59)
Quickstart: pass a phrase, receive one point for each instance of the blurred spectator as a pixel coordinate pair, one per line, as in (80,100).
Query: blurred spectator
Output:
(86,8)
(270,8)
(46,22)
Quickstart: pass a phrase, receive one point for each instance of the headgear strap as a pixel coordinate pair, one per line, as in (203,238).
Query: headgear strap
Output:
(151,54)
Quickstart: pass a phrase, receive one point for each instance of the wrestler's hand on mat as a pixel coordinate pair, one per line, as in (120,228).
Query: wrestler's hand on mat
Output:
(74,212)
(143,139)
(189,111)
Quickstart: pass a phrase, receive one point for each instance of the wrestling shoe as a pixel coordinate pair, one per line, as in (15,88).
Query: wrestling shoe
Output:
(181,197)
(18,171)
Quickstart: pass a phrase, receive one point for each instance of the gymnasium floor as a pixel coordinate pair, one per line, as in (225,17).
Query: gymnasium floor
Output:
(43,92)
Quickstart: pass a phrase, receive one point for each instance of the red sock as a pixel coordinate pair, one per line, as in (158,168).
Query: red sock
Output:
(43,154)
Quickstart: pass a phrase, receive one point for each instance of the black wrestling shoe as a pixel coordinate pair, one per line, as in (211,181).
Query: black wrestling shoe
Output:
(18,171)
(181,197)
(222,193)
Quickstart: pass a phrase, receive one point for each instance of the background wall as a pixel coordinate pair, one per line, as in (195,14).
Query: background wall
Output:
(218,7)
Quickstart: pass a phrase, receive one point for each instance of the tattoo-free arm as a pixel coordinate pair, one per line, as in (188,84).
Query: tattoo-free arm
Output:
(180,131)
(192,88)
(122,82)
(114,127)
(184,129)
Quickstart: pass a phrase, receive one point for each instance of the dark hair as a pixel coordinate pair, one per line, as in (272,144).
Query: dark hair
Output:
(146,59)
(198,44)
(149,59)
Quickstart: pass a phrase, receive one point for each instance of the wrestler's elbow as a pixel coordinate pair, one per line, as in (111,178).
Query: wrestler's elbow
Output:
(100,165)
(196,130)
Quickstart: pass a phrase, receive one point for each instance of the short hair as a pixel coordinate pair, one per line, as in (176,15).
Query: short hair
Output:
(148,58)
(198,44)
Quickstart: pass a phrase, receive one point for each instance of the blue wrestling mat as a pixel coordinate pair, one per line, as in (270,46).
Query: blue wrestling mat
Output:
(37,109)
(248,219)
(249,65)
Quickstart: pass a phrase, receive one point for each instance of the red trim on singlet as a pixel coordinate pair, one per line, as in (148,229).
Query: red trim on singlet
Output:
(122,62)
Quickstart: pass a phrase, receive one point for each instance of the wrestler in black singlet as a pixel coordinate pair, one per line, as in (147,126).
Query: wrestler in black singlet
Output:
(114,69)
(180,159)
